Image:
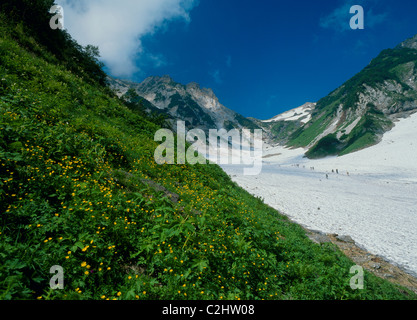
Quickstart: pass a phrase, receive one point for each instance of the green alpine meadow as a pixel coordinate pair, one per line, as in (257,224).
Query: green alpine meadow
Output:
(80,189)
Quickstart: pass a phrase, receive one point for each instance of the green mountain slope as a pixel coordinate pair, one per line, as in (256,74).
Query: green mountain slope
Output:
(79,188)
(356,115)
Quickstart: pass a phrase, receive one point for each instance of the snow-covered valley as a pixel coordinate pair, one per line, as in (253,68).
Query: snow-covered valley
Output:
(370,195)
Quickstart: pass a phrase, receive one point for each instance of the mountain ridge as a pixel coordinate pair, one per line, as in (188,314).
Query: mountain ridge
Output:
(351,117)
(198,107)
(358,113)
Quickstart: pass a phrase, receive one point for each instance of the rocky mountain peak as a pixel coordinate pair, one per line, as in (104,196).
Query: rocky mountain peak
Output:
(195,90)
(165,78)
(193,85)
(198,107)
(410,43)
(152,80)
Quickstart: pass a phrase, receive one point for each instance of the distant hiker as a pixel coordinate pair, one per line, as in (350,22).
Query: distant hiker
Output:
(327,176)
(332,171)
(337,171)
(347,173)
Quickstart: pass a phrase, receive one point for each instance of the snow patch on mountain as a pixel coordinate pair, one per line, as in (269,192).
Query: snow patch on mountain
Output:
(302,113)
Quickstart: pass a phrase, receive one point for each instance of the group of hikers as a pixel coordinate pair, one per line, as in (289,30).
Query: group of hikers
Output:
(327,175)
(333,171)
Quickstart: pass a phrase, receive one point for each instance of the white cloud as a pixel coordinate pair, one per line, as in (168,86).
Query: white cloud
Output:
(337,19)
(117,27)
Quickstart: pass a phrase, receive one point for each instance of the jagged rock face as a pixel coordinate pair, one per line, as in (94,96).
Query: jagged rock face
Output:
(198,107)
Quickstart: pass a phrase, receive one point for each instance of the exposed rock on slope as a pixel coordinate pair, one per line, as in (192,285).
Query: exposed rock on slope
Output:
(356,115)
(198,107)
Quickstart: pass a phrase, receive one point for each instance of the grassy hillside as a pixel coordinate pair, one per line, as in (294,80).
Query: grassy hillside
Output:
(280,131)
(79,188)
(391,66)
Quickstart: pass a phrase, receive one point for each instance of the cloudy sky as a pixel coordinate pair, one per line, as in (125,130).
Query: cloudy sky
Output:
(261,57)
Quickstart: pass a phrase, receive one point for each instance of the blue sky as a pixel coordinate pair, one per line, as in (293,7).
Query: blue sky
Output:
(260,57)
